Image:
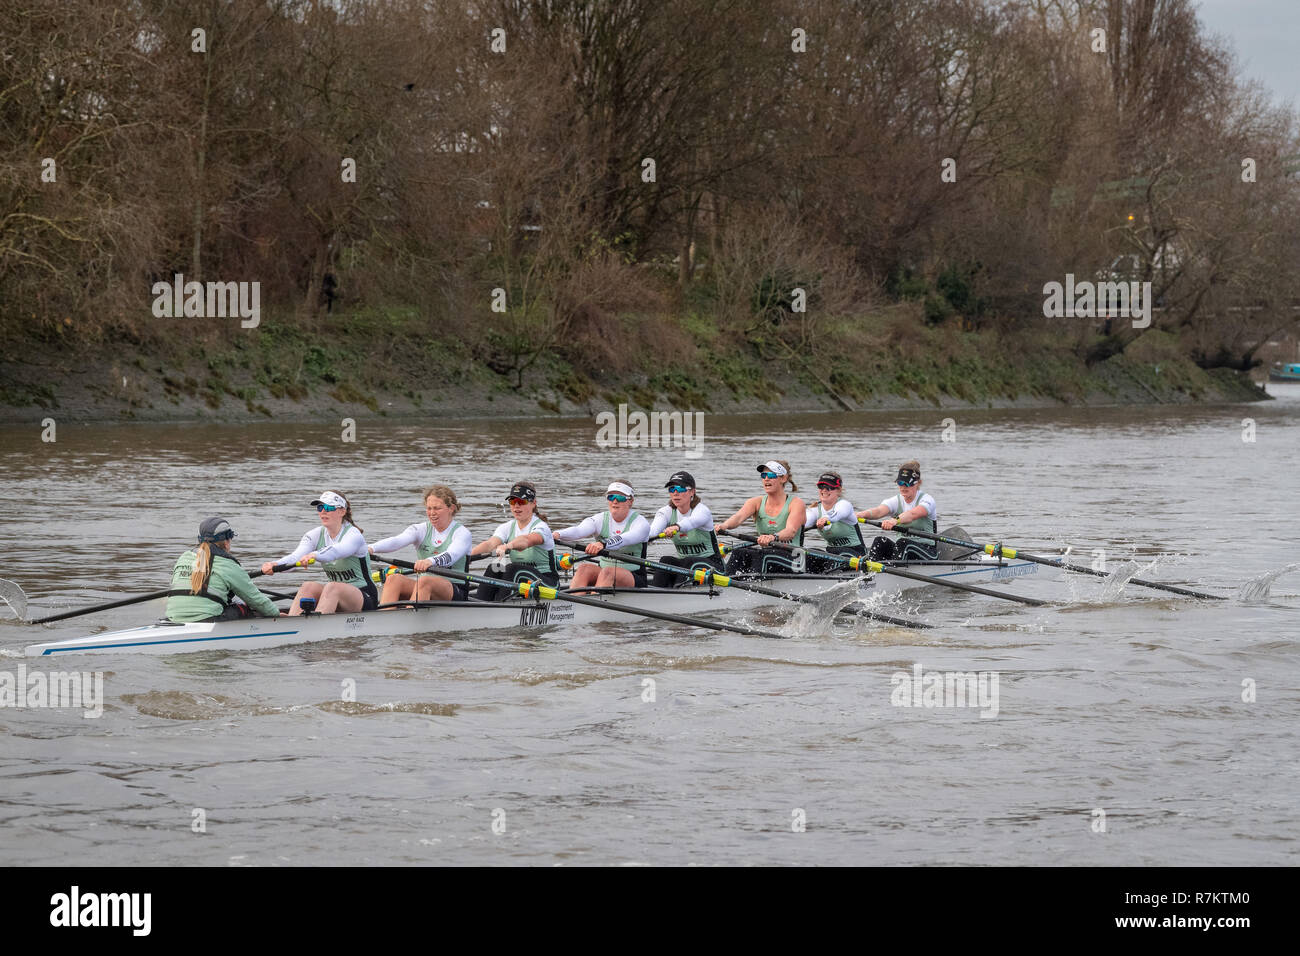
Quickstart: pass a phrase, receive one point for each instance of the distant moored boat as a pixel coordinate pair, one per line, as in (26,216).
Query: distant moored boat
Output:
(1285,373)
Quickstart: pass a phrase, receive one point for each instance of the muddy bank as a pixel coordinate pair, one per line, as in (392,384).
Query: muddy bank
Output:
(285,373)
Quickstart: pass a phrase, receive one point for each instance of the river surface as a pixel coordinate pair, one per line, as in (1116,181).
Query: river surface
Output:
(1133,727)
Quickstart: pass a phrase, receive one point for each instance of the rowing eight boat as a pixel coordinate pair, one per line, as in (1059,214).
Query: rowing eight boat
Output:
(453,616)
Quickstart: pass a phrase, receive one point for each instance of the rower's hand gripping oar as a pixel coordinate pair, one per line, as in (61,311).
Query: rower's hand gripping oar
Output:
(998,550)
(139,599)
(535,590)
(863,564)
(705,576)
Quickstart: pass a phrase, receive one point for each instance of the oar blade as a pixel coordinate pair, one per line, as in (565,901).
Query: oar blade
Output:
(15,597)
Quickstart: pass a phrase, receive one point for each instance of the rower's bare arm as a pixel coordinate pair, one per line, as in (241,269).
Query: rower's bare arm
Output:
(798,514)
(523,541)
(483,547)
(872,513)
(740,517)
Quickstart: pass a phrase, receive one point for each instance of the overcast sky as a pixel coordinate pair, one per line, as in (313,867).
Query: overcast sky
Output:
(1266,37)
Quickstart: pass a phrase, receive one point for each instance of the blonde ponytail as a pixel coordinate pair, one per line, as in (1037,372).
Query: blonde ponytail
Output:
(202,568)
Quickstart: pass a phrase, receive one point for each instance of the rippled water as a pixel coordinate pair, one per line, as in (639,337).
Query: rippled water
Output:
(1114,699)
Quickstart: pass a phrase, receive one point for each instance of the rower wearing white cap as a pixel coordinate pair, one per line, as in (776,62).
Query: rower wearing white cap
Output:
(620,529)
(778,515)
(688,523)
(339,547)
(440,542)
(208,582)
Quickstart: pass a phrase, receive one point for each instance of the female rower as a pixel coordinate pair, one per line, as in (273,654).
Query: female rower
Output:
(688,523)
(621,530)
(440,542)
(339,546)
(833,517)
(529,537)
(909,510)
(778,516)
(208,582)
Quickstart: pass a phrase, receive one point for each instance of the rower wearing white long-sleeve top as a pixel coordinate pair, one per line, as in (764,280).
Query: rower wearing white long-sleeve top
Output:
(340,548)
(688,523)
(620,529)
(834,520)
(524,543)
(440,542)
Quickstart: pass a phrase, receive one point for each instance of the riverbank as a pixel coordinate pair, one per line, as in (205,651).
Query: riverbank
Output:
(389,364)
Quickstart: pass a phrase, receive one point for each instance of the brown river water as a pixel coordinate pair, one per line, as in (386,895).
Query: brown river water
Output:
(1132,727)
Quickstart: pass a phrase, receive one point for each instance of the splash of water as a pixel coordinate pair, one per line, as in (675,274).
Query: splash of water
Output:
(1120,577)
(1260,588)
(816,618)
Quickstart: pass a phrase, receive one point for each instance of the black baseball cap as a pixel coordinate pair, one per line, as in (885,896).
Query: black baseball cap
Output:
(681,478)
(522,489)
(831,479)
(908,476)
(215,529)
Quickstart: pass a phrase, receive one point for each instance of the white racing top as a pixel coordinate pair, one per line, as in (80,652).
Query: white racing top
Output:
(536,526)
(461,540)
(700,517)
(621,534)
(897,505)
(349,544)
(843,511)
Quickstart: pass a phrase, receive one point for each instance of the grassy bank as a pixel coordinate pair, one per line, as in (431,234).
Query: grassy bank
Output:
(390,363)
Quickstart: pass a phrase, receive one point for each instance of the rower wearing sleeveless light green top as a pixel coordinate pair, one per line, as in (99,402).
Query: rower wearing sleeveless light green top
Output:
(778,515)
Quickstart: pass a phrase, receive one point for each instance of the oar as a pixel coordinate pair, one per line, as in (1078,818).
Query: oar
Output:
(701,576)
(863,564)
(999,551)
(139,599)
(533,589)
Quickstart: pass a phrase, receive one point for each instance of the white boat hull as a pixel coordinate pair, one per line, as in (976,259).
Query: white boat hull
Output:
(516,613)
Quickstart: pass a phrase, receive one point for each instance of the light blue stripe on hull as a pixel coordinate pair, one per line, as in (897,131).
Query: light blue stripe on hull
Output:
(188,640)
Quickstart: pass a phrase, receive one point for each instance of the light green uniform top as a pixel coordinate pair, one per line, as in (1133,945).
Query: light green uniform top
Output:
(427,549)
(924,523)
(774,526)
(535,556)
(227,580)
(696,543)
(607,558)
(838,534)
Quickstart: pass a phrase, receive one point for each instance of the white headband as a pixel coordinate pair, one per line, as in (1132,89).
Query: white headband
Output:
(619,488)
